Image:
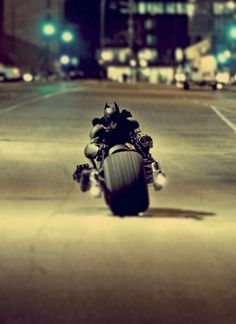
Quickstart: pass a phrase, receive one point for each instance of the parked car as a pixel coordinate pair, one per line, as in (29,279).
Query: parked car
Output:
(9,73)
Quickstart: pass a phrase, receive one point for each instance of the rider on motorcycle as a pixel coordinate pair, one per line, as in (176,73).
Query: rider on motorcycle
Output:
(118,127)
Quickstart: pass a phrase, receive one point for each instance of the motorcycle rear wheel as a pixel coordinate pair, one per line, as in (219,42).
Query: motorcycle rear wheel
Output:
(127,192)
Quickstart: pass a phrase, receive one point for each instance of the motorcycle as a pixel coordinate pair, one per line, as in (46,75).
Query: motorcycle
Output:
(122,175)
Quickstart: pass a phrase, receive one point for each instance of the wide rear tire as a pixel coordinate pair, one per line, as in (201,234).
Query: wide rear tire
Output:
(127,192)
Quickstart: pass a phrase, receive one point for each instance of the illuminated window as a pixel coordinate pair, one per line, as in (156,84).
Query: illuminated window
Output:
(230,5)
(107,55)
(170,8)
(148,54)
(149,24)
(221,8)
(151,40)
(181,8)
(158,8)
(155,8)
(142,8)
(191,9)
(218,8)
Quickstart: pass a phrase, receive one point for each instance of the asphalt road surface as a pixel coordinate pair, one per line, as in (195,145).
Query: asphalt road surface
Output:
(65,259)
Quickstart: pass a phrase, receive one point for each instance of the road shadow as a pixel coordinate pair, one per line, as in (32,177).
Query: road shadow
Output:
(176,213)
(150,213)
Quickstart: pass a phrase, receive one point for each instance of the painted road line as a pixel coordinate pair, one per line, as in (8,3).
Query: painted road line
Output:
(30,101)
(223,118)
(20,105)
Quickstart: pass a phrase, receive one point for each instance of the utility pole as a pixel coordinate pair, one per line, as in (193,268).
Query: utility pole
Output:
(133,61)
(102,23)
(48,41)
(131,26)
(49,5)
(1,17)
(13,29)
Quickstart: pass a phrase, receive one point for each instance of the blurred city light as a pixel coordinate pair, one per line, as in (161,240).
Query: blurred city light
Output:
(67,37)
(48,29)
(227,54)
(146,72)
(16,71)
(219,86)
(223,77)
(232,32)
(179,54)
(223,56)
(107,55)
(133,63)
(27,77)
(65,59)
(143,63)
(180,77)
(74,61)
(148,54)
(231,5)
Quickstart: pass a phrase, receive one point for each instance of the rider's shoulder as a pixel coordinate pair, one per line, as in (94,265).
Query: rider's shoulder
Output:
(98,130)
(133,123)
(99,121)
(129,120)
(125,113)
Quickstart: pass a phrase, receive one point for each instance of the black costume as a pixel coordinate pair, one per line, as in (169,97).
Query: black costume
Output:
(116,127)
(126,131)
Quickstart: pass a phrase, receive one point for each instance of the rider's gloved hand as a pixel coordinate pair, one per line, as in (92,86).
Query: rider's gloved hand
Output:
(146,141)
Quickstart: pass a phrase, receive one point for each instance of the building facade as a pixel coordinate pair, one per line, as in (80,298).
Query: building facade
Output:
(146,29)
(164,28)
(152,33)
(21,37)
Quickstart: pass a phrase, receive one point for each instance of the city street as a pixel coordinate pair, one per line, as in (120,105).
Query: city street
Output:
(66,259)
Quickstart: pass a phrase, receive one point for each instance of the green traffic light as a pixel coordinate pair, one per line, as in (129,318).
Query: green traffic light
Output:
(48,29)
(232,32)
(223,57)
(65,59)
(67,36)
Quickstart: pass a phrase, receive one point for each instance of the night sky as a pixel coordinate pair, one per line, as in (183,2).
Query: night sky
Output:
(85,14)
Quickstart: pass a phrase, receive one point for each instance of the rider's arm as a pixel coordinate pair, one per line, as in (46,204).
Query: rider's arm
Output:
(97,137)
(140,140)
(97,134)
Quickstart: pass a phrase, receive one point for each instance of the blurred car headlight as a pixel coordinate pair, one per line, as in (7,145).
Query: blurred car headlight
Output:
(16,71)
(219,86)
(180,77)
(27,77)
(223,77)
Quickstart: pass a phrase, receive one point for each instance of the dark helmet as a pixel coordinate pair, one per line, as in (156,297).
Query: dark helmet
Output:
(111,112)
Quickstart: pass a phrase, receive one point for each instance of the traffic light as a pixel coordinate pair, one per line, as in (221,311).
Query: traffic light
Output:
(223,57)
(48,29)
(65,59)
(232,32)
(67,36)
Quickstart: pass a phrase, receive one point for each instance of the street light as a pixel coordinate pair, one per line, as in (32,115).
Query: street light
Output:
(48,29)
(65,59)
(67,36)
(232,32)
(223,57)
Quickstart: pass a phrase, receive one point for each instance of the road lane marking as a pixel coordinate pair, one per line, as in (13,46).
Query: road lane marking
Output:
(223,118)
(20,105)
(50,95)
(230,110)
(35,99)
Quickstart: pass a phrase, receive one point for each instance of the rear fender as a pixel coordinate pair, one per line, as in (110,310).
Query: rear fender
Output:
(120,148)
